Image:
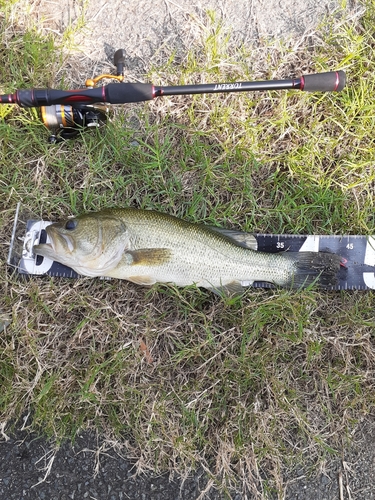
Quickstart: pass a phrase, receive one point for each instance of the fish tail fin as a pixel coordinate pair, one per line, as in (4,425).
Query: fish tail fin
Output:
(320,268)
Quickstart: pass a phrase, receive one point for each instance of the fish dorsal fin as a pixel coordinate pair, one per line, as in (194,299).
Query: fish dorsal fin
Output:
(242,239)
(149,256)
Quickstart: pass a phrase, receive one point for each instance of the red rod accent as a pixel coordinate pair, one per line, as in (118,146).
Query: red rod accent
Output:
(337,81)
(302,83)
(7,98)
(78,98)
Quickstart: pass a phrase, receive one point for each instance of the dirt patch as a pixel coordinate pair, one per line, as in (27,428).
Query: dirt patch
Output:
(150,32)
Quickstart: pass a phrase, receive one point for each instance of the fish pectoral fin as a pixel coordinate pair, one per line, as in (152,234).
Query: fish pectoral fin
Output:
(242,239)
(149,256)
(232,289)
(142,280)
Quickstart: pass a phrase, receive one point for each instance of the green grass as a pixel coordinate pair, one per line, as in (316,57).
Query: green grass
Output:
(249,387)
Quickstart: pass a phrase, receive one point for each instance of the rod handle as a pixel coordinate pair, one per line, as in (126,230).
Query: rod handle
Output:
(113,93)
(129,92)
(332,81)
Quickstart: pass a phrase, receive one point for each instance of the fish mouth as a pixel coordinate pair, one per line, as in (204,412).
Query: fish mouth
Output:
(55,239)
(54,246)
(42,245)
(45,250)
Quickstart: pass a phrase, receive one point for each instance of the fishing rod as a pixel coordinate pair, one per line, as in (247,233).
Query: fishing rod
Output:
(65,112)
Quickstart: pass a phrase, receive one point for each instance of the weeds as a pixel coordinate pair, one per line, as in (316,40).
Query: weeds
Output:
(180,378)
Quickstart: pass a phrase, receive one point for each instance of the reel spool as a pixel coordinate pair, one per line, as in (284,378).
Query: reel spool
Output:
(65,122)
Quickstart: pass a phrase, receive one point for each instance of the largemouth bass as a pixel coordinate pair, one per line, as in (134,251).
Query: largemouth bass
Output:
(148,247)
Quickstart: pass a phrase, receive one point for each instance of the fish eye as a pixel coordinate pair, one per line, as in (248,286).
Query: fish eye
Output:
(71,224)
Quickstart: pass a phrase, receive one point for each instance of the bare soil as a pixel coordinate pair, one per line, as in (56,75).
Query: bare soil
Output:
(150,32)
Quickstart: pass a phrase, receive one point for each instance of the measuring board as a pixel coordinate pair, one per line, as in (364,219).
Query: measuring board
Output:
(357,252)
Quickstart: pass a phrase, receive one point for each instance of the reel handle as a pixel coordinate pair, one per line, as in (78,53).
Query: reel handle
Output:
(119,61)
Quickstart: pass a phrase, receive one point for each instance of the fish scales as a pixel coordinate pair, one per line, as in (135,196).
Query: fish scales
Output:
(199,255)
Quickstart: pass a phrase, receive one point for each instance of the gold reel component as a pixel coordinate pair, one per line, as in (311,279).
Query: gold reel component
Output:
(57,116)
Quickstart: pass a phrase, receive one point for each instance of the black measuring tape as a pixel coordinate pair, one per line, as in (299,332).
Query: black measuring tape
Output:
(357,252)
